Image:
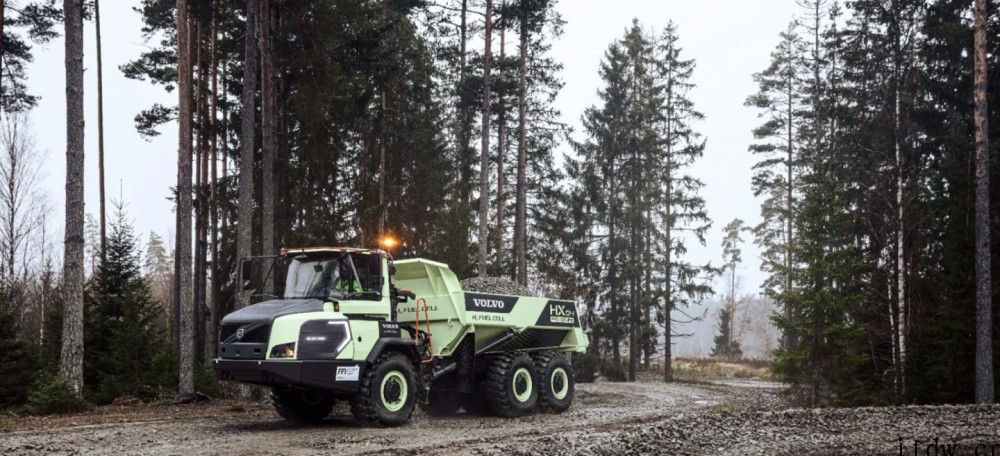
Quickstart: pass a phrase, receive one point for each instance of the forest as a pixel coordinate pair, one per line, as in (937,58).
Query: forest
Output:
(343,122)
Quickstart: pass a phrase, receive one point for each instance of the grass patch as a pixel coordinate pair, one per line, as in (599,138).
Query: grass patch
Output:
(716,368)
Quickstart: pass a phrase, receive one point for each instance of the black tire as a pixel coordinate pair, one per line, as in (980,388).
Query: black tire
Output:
(556,384)
(388,392)
(510,385)
(443,403)
(302,406)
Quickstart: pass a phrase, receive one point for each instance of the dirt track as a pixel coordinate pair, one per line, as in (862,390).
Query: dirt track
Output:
(228,428)
(607,418)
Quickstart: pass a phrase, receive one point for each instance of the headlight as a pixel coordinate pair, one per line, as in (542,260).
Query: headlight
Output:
(323,339)
(283,351)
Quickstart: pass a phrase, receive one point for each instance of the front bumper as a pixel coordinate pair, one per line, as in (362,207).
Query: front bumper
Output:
(334,376)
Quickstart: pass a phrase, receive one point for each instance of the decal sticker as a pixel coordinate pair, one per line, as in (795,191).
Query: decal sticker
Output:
(409,310)
(348,373)
(478,302)
(559,313)
(388,329)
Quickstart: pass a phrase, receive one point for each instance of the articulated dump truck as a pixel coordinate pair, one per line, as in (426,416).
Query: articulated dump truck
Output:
(386,335)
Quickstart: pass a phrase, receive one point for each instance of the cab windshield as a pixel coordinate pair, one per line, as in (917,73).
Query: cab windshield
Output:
(331,276)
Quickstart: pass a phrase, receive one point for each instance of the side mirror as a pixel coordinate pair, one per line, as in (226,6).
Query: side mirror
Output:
(246,274)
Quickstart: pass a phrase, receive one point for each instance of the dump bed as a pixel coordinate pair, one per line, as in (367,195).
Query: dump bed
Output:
(540,323)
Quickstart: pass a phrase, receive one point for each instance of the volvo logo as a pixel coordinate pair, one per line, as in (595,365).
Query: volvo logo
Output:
(239,334)
(488,303)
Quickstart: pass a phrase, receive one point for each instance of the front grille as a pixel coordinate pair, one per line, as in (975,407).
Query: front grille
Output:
(322,339)
(253,333)
(244,340)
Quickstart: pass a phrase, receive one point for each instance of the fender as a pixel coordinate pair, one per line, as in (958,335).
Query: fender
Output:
(399,344)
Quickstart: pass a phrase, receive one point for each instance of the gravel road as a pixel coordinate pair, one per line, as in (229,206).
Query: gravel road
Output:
(607,418)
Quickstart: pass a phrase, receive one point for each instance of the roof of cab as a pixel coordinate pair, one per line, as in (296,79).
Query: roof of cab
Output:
(306,250)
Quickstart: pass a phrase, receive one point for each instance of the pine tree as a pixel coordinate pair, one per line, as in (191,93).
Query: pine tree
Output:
(732,256)
(71,361)
(984,289)
(183,285)
(245,225)
(779,103)
(484,161)
(23,27)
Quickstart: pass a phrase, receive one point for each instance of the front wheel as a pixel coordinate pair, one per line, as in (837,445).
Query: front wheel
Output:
(302,406)
(510,385)
(388,392)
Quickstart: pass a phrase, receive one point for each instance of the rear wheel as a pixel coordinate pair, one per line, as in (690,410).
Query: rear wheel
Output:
(510,385)
(555,379)
(388,392)
(302,406)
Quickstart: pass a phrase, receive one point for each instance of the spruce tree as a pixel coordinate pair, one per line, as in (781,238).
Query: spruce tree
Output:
(16,356)
(825,364)
(725,344)
(121,335)
(680,207)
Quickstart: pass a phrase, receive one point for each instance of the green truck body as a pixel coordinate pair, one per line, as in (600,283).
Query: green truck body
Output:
(386,335)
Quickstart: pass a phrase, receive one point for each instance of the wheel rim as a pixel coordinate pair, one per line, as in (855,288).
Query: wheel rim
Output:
(559,383)
(394,391)
(522,384)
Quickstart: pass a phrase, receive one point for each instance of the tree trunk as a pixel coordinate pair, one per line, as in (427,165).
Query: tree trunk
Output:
(183,255)
(900,320)
(71,356)
(616,355)
(245,215)
(464,119)
(484,161)
(213,304)
(647,325)
(382,170)
(100,131)
(668,225)
(3,14)
(501,123)
(789,192)
(520,222)
(201,247)
(984,287)
(268,142)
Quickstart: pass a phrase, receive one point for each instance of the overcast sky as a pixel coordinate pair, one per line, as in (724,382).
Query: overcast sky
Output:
(729,39)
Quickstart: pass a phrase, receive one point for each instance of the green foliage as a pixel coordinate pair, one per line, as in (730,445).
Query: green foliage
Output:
(205,381)
(51,395)
(120,337)
(860,106)
(633,204)
(16,357)
(725,344)
(25,25)
(828,356)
